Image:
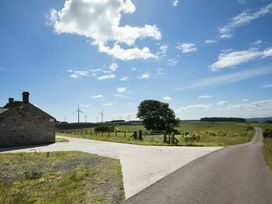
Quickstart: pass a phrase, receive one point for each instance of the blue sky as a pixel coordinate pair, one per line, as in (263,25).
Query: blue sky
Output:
(203,58)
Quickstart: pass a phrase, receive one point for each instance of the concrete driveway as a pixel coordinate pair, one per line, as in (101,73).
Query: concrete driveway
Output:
(141,165)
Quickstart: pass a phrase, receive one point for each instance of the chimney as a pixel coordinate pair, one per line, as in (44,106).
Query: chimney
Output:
(11,101)
(25,97)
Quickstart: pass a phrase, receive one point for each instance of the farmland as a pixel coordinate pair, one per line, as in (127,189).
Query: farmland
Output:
(192,134)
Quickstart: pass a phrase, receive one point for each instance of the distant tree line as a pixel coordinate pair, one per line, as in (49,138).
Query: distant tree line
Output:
(222,119)
(70,126)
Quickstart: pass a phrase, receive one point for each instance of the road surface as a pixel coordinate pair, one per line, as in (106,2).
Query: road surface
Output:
(141,165)
(236,174)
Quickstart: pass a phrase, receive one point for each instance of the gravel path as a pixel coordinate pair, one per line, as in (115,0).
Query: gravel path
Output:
(141,165)
(235,174)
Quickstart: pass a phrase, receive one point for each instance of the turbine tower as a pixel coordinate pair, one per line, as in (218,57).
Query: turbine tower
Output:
(78,111)
(102,115)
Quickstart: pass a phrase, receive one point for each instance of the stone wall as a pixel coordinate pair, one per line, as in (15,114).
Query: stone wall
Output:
(26,125)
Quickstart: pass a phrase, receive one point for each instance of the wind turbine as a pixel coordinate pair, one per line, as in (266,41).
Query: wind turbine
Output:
(78,113)
(102,115)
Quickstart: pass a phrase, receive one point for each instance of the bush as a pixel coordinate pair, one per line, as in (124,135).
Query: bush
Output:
(105,128)
(267,133)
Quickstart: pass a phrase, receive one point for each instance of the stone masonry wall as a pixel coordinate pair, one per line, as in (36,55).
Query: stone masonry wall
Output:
(26,125)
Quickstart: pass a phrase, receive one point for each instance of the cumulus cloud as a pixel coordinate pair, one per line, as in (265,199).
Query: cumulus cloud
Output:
(187,47)
(144,76)
(233,58)
(167,98)
(226,79)
(99,21)
(226,31)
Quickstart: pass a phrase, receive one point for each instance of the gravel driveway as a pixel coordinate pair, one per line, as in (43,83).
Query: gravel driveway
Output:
(141,165)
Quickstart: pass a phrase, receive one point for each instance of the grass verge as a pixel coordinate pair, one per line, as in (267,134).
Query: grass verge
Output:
(268,151)
(59,177)
(58,139)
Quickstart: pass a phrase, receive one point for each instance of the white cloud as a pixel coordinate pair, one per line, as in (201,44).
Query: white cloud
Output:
(144,76)
(204,96)
(226,31)
(227,78)
(172,62)
(175,2)
(234,58)
(163,49)
(78,73)
(113,67)
(167,98)
(125,78)
(221,103)
(187,47)
(210,41)
(106,76)
(191,108)
(121,89)
(99,96)
(121,96)
(99,21)
(127,54)
(257,43)
(266,85)
(108,104)
(245,100)
(133,69)
(85,105)
(261,108)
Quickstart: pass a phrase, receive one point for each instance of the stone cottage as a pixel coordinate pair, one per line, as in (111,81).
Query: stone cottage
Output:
(22,123)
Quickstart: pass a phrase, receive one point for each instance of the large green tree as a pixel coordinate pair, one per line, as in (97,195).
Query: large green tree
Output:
(157,115)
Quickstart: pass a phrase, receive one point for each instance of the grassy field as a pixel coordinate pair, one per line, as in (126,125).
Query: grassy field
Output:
(59,177)
(193,134)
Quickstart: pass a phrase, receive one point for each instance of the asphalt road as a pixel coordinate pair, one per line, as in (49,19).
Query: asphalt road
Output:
(236,174)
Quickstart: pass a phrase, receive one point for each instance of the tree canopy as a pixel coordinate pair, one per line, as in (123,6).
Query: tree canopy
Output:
(157,115)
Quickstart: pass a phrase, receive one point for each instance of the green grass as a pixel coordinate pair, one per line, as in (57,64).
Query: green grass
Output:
(209,133)
(61,140)
(59,177)
(268,151)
